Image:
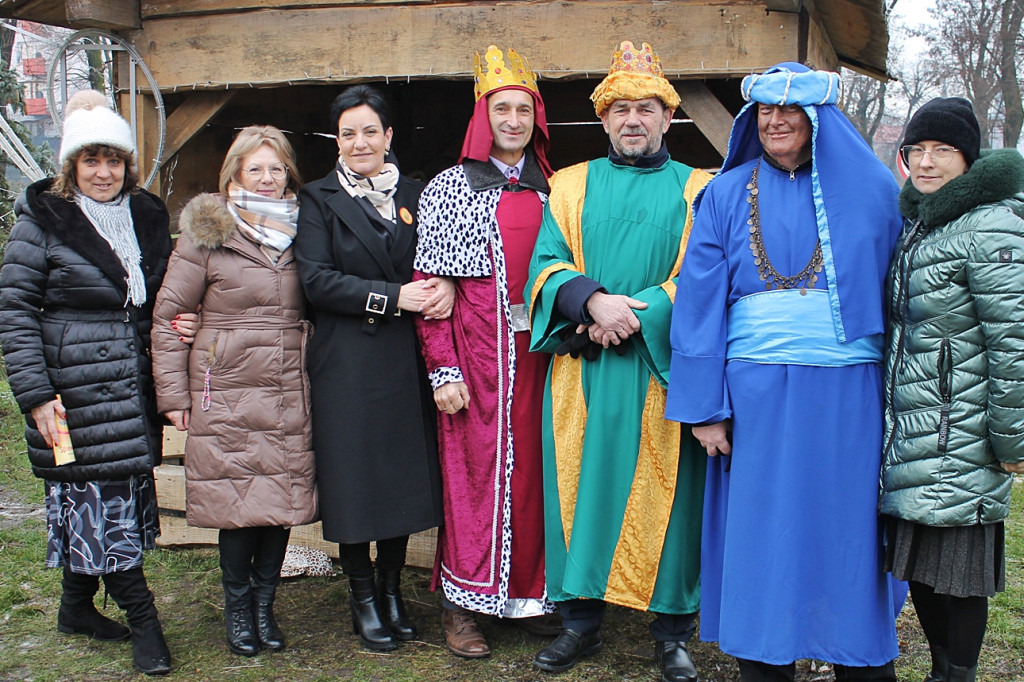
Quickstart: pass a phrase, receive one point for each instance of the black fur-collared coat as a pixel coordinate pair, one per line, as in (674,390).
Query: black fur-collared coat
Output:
(66,327)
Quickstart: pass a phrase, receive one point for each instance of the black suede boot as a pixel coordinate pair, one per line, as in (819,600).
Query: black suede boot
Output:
(366,620)
(149,649)
(392,607)
(78,614)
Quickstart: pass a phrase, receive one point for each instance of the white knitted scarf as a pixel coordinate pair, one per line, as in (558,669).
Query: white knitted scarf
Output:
(113,220)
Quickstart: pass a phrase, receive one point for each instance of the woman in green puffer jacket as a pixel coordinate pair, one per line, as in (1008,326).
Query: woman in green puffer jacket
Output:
(954,378)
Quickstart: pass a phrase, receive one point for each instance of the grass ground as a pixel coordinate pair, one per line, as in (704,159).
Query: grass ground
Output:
(313,614)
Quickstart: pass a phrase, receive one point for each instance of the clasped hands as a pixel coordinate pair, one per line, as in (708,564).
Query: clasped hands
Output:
(433,297)
(614,323)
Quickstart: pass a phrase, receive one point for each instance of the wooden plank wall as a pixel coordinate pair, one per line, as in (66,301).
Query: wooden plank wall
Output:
(270,47)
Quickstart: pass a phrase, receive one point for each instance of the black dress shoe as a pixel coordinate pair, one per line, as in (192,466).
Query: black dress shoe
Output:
(676,664)
(569,647)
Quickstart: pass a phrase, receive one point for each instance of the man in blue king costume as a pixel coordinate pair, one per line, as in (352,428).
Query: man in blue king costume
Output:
(777,335)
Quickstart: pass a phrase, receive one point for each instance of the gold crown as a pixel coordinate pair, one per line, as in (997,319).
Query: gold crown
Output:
(494,74)
(628,58)
(634,75)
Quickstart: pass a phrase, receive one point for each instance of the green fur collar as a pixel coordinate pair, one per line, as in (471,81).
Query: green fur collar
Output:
(997,175)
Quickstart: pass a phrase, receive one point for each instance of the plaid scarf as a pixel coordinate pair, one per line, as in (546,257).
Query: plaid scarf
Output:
(268,222)
(378,190)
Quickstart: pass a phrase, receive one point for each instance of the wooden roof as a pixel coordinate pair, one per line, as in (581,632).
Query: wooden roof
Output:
(199,44)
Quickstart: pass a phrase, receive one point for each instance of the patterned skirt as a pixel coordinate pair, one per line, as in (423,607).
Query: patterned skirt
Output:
(961,561)
(100,527)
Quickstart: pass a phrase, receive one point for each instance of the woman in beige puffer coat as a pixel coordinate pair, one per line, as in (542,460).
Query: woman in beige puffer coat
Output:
(241,389)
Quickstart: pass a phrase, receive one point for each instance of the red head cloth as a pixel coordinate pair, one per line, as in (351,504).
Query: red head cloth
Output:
(479,138)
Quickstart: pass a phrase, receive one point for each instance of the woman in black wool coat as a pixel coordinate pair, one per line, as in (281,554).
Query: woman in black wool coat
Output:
(373,417)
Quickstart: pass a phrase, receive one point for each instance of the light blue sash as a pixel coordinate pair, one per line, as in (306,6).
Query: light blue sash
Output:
(785,327)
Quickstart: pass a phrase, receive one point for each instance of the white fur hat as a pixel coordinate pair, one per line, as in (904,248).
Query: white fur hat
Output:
(88,121)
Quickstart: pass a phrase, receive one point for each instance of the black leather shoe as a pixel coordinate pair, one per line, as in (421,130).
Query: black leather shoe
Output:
(676,664)
(269,633)
(241,632)
(569,647)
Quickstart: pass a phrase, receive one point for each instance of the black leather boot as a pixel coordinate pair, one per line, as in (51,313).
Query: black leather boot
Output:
(149,649)
(241,631)
(366,620)
(269,634)
(78,614)
(392,608)
(271,547)
(959,673)
(940,664)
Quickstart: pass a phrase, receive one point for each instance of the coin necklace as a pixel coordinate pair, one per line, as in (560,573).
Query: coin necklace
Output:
(769,275)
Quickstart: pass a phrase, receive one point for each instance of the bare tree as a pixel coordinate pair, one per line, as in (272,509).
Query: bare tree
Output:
(1011,46)
(864,103)
(976,44)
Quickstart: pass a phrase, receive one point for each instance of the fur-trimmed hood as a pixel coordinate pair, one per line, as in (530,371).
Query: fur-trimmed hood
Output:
(206,221)
(996,176)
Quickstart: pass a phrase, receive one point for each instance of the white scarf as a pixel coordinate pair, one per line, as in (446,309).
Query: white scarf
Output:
(113,221)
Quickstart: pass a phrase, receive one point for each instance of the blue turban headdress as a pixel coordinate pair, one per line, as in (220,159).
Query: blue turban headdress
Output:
(854,193)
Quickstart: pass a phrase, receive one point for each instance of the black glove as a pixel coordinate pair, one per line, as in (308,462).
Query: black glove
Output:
(578,343)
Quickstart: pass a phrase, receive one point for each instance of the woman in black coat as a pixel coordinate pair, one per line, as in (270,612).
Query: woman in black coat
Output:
(80,274)
(373,417)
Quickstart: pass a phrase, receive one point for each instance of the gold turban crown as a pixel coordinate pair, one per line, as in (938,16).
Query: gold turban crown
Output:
(491,73)
(634,75)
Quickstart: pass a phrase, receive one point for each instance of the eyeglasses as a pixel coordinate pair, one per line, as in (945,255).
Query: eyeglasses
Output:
(257,172)
(940,155)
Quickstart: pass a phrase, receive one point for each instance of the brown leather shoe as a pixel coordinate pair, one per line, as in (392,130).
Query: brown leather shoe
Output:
(462,636)
(547,625)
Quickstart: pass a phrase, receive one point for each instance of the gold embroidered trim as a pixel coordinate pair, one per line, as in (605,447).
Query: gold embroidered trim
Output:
(634,568)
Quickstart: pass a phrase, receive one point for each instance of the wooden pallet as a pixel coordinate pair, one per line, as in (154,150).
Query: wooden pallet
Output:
(174,531)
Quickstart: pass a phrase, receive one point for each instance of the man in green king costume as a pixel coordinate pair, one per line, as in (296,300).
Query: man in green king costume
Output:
(622,498)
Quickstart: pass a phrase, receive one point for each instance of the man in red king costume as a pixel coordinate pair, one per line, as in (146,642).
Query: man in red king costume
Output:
(478,225)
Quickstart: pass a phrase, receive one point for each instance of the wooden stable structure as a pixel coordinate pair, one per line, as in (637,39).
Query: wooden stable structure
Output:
(223,64)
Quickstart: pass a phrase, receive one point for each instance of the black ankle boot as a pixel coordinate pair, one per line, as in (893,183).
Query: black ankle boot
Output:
(366,621)
(78,614)
(392,608)
(241,631)
(270,635)
(149,649)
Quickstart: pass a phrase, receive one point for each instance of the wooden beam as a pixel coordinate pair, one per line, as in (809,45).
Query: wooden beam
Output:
(156,9)
(116,15)
(709,115)
(190,117)
(274,47)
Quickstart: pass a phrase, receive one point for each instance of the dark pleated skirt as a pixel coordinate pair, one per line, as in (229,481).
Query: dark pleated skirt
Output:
(961,561)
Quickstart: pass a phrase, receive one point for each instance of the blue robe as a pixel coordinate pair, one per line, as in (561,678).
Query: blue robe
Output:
(791,556)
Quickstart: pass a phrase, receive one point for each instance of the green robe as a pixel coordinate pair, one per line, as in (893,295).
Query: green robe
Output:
(622,499)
